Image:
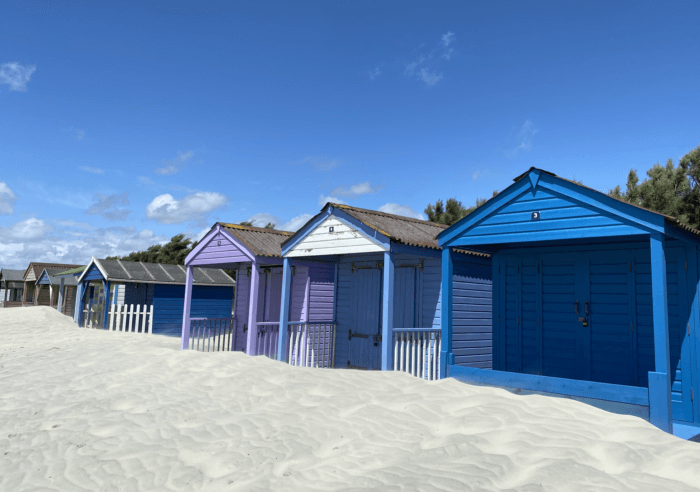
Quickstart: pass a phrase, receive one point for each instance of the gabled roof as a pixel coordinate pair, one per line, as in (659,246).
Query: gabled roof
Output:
(622,207)
(11,275)
(259,240)
(157,273)
(72,271)
(39,267)
(54,280)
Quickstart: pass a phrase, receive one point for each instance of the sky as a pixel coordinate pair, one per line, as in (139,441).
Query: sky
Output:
(125,123)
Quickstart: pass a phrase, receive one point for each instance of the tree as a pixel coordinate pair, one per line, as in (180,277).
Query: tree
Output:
(452,211)
(172,253)
(270,225)
(244,223)
(632,193)
(690,163)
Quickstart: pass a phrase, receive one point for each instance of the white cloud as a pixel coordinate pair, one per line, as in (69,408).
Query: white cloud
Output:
(7,200)
(426,67)
(322,200)
(175,165)
(33,240)
(404,210)
(146,180)
(194,237)
(321,163)
(93,170)
(108,206)
(193,208)
(373,74)
(74,224)
(525,137)
(363,188)
(296,223)
(79,134)
(16,76)
(262,219)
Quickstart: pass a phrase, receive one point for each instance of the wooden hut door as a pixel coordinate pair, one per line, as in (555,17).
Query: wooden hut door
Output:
(364,347)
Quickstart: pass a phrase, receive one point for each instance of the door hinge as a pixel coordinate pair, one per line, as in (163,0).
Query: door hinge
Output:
(499,320)
(686,265)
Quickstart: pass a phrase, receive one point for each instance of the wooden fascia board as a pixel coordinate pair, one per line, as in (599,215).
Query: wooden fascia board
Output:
(446,237)
(206,240)
(306,229)
(678,233)
(42,275)
(638,216)
(399,248)
(99,267)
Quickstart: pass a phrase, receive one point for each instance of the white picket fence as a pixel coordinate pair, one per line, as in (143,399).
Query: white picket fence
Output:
(417,352)
(126,318)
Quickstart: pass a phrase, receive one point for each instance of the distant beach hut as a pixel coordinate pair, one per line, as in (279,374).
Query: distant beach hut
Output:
(62,289)
(74,274)
(117,295)
(11,287)
(37,295)
(255,254)
(388,278)
(592,297)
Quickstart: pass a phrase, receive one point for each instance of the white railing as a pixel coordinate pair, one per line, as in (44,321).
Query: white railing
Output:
(134,319)
(214,334)
(417,352)
(267,335)
(312,344)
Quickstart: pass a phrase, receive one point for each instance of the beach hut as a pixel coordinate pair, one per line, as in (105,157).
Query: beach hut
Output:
(148,297)
(592,297)
(255,254)
(62,289)
(36,295)
(11,287)
(74,274)
(388,281)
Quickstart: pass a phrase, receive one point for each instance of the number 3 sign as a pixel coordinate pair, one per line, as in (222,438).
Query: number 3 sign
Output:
(535,216)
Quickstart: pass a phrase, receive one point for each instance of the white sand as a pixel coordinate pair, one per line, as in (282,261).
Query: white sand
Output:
(92,410)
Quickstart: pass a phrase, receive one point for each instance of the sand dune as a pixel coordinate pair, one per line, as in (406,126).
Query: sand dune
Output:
(92,410)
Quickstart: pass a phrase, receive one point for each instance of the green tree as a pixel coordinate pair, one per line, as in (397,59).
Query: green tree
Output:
(690,163)
(451,211)
(171,253)
(665,190)
(244,223)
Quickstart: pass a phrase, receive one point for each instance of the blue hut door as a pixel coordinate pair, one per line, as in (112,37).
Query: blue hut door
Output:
(364,347)
(680,291)
(407,297)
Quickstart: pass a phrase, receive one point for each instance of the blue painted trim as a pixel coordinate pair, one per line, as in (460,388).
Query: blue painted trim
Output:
(560,386)
(694,289)
(387,310)
(43,279)
(660,413)
(495,313)
(446,355)
(398,248)
(553,235)
(343,216)
(678,233)
(106,285)
(284,310)
(685,430)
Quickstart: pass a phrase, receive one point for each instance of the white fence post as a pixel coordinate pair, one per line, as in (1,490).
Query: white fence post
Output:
(150,320)
(143,321)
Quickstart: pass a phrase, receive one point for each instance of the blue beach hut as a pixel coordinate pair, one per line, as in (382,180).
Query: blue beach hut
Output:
(388,291)
(592,297)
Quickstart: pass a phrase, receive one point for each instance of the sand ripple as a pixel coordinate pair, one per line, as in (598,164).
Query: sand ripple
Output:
(92,410)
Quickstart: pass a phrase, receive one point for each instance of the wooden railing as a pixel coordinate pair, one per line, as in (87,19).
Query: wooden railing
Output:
(212,334)
(417,352)
(267,335)
(312,344)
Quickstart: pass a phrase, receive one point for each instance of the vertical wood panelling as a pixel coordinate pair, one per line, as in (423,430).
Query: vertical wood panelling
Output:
(242,306)
(321,293)
(207,302)
(219,250)
(529,312)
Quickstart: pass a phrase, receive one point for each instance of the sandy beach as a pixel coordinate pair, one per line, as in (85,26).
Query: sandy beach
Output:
(87,409)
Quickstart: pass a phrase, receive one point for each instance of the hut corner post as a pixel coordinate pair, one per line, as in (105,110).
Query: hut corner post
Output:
(660,413)
(105,320)
(60,296)
(284,311)
(388,311)
(185,339)
(446,355)
(252,338)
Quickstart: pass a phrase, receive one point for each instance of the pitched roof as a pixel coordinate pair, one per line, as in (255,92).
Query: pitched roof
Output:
(39,267)
(11,275)
(52,272)
(259,240)
(73,271)
(159,273)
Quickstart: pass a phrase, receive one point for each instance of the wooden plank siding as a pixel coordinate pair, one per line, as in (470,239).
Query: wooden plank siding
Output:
(219,250)
(241,305)
(207,302)
(343,240)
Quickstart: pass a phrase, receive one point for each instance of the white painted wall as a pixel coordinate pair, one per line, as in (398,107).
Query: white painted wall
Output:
(344,240)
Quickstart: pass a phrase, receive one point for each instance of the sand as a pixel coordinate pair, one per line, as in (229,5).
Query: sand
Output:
(85,409)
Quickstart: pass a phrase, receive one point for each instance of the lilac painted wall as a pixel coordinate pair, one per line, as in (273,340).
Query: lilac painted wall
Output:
(298,308)
(214,253)
(321,299)
(241,304)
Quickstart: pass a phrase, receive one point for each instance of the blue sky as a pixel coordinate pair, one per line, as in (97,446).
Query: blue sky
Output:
(125,123)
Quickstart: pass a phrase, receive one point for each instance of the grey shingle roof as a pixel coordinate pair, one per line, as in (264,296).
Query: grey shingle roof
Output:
(158,273)
(11,275)
(260,241)
(52,272)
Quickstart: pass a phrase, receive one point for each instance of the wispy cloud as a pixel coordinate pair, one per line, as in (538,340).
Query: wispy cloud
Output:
(93,170)
(25,230)
(108,206)
(175,165)
(7,200)
(320,163)
(426,67)
(525,137)
(16,76)
(363,188)
(374,73)
(79,134)
(398,209)
(192,208)
(322,200)
(296,223)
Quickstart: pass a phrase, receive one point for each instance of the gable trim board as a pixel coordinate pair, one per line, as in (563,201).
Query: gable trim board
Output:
(346,238)
(199,256)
